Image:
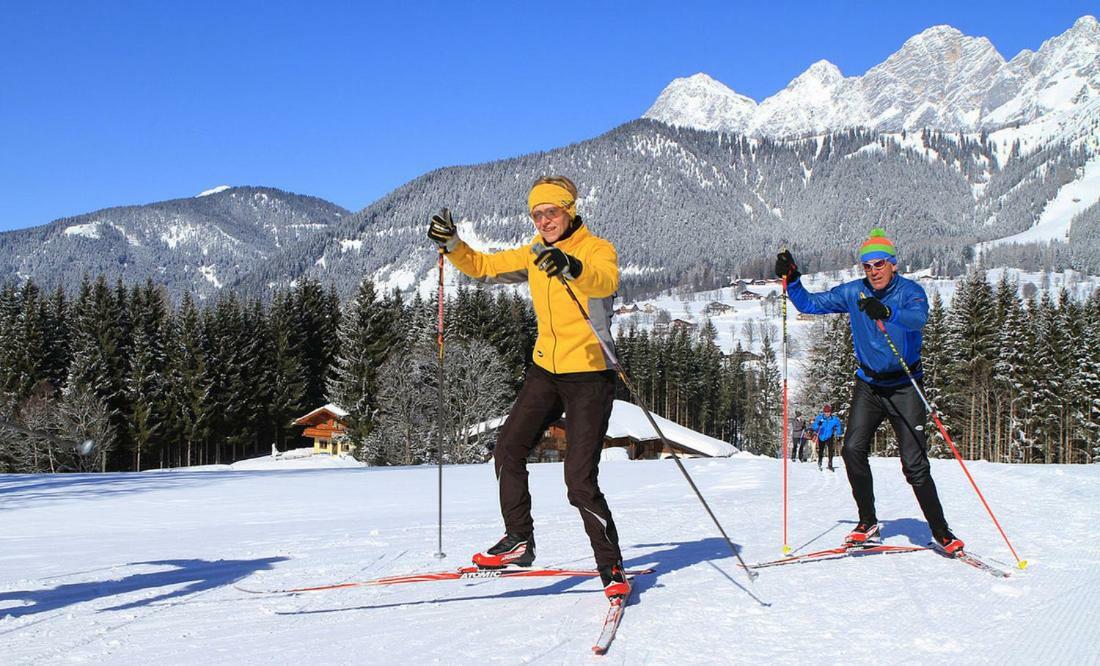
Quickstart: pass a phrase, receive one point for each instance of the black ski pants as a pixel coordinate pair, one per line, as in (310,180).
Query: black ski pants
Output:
(822,445)
(905,411)
(798,445)
(586,399)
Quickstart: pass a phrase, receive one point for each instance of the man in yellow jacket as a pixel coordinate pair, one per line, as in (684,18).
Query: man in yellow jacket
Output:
(570,374)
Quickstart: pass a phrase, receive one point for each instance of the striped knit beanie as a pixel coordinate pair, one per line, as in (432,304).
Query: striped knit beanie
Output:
(878,246)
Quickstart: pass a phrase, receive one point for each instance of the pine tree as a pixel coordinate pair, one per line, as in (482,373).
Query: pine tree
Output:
(288,383)
(188,390)
(368,331)
(145,384)
(1046,379)
(971,340)
(1010,374)
(100,364)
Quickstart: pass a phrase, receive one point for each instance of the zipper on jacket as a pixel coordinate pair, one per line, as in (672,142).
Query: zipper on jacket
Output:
(550,314)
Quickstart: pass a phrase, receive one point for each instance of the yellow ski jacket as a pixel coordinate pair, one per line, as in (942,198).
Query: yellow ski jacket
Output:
(566,343)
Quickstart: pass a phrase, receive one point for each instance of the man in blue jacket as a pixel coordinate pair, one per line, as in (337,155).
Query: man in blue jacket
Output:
(882,390)
(827,429)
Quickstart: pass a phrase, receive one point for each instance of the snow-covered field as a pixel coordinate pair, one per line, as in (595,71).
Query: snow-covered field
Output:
(140,568)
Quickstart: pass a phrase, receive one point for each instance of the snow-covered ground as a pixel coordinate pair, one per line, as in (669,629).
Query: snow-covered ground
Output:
(140,568)
(1054,221)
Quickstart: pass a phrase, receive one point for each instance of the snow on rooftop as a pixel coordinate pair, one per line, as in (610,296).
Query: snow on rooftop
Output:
(628,420)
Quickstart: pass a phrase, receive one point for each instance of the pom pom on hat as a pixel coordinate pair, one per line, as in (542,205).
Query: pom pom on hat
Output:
(878,246)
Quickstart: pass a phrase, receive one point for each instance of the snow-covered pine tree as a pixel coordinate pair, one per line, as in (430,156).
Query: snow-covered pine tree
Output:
(145,382)
(187,392)
(1047,380)
(1090,374)
(58,338)
(99,363)
(1072,414)
(369,329)
(1013,344)
(970,344)
(404,433)
(476,388)
(936,363)
(288,386)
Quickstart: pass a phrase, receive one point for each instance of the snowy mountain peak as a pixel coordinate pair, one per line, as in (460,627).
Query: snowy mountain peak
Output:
(940,78)
(1087,24)
(937,34)
(701,102)
(821,72)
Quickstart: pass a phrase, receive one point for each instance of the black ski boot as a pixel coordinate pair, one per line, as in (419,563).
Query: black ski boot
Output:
(512,550)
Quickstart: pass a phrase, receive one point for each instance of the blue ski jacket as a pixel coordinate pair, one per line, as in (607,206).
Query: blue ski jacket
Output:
(827,427)
(908,312)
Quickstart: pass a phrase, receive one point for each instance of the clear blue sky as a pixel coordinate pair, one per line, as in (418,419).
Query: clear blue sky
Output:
(110,103)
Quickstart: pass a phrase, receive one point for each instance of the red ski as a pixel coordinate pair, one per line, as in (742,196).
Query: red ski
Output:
(837,553)
(462,573)
(971,559)
(614,617)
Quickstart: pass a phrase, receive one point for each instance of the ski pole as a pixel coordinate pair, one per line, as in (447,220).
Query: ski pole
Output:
(1022,564)
(537,249)
(786,423)
(439,554)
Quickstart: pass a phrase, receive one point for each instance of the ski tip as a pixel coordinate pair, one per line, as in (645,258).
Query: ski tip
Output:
(596,649)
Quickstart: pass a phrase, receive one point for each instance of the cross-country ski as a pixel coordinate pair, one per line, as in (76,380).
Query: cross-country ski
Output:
(462,573)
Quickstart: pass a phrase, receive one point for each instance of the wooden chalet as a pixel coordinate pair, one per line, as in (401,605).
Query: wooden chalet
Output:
(716,308)
(326,426)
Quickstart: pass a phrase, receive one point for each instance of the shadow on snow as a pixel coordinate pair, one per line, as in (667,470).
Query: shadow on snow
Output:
(193,575)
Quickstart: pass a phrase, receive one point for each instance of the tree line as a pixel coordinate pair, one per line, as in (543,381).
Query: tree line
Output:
(157,384)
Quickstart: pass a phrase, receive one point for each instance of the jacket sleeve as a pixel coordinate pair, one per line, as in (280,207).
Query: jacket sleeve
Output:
(599,276)
(825,302)
(507,266)
(911,311)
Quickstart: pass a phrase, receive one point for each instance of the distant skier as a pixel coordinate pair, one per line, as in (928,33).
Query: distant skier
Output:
(570,373)
(882,388)
(798,438)
(827,429)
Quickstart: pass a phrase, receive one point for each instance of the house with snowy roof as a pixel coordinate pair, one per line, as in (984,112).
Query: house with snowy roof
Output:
(629,430)
(327,426)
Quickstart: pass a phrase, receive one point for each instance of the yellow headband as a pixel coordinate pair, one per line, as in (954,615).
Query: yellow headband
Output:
(549,193)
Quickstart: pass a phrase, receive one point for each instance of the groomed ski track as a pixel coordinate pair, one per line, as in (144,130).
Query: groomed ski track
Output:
(140,568)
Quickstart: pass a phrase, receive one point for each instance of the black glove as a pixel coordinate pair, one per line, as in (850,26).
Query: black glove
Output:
(553,262)
(874,308)
(785,267)
(443,231)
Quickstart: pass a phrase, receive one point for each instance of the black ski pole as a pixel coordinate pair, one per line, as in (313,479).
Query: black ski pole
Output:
(439,554)
(537,249)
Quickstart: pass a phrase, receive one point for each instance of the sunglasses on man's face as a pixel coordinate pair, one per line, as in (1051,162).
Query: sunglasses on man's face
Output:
(875,265)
